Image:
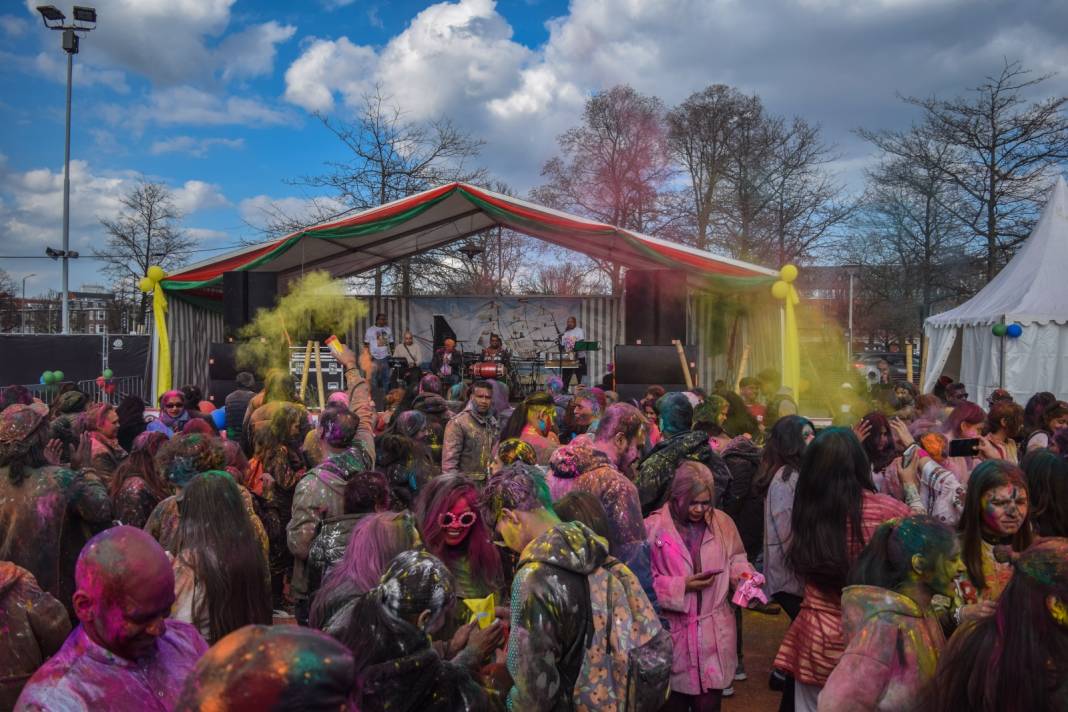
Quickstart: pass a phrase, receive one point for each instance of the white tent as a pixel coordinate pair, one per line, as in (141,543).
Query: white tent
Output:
(1032,290)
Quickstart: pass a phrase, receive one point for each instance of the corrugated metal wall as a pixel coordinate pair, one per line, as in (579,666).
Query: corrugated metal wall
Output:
(191,330)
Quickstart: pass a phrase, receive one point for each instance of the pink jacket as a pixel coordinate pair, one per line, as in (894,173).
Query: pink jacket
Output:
(704,640)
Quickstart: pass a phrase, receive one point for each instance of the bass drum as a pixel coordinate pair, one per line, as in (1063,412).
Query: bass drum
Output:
(488,369)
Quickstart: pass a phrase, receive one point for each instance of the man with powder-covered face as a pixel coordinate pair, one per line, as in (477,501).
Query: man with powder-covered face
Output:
(125,654)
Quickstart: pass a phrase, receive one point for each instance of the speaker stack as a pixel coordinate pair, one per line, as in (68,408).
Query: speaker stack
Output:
(654,304)
(244,293)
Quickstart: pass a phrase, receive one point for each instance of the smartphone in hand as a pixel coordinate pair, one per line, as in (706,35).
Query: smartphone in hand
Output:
(964,447)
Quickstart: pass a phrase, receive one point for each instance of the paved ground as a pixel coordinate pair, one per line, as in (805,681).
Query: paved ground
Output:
(761,635)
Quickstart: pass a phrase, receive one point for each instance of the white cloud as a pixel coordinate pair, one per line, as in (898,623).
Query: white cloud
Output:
(13,26)
(196,195)
(261,210)
(326,67)
(189,105)
(178,41)
(206,236)
(197,147)
(251,52)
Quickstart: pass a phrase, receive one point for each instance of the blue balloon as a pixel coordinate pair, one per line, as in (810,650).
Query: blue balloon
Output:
(42,381)
(1013,331)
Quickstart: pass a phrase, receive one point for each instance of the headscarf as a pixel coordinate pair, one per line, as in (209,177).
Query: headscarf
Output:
(18,422)
(74,402)
(175,424)
(571,460)
(261,667)
(512,449)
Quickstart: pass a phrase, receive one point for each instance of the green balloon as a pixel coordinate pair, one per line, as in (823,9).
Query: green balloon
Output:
(999,329)
(57,376)
(48,378)
(108,373)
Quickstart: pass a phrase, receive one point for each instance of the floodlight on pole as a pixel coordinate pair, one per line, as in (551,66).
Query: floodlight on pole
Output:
(84,21)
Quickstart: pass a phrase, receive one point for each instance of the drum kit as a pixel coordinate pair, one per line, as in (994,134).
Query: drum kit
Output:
(523,375)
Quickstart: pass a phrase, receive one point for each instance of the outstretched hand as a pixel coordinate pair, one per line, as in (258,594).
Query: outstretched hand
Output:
(53,452)
(81,456)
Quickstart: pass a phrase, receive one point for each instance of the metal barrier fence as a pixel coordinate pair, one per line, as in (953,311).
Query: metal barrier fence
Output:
(124,386)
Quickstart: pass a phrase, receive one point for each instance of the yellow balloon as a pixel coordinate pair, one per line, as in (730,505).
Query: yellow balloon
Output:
(780,289)
(788,273)
(155,273)
(146,284)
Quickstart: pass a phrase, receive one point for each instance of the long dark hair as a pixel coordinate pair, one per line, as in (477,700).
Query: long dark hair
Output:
(217,541)
(584,507)
(887,559)
(879,445)
(784,447)
(434,500)
(1047,491)
(1016,659)
(142,463)
(1034,412)
(739,420)
(518,420)
(834,475)
(985,477)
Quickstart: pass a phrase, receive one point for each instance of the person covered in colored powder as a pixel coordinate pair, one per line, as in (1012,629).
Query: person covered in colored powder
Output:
(996,509)
(261,667)
(894,637)
(125,651)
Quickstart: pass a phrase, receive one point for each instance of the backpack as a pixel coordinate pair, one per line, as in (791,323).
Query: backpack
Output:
(628,657)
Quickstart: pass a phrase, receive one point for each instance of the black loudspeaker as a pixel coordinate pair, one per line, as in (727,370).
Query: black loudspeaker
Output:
(218,389)
(639,306)
(442,331)
(638,367)
(222,364)
(245,293)
(655,306)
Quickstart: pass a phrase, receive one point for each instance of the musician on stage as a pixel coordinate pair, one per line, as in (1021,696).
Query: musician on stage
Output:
(568,340)
(379,340)
(410,350)
(448,362)
(496,351)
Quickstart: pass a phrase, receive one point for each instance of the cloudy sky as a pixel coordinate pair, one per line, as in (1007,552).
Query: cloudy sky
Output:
(216,98)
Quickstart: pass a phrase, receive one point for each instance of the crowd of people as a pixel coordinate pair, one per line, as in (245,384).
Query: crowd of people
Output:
(570,552)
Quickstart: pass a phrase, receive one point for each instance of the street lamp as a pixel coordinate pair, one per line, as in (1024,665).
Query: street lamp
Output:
(84,21)
(22,311)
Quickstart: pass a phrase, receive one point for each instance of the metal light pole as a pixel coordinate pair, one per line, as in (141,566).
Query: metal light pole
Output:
(22,312)
(56,20)
(849,347)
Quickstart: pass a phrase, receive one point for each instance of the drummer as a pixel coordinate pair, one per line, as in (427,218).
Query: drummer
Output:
(496,351)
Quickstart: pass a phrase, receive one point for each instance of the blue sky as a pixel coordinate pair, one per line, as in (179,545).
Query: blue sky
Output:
(215,97)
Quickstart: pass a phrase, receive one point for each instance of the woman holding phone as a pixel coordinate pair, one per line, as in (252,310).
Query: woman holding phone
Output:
(697,558)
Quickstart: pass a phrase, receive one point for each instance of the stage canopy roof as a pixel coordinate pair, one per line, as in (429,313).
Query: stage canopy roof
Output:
(446,214)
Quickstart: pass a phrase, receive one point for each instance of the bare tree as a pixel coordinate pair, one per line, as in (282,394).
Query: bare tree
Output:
(567,278)
(699,136)
(1002,150)
(144,233)
(777,202)
(614,167)
(9,303)
(389,157)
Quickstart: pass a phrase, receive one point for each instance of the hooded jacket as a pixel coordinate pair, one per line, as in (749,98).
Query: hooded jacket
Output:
(469,440)
(579,466)
(656,471)
(437,416)
(35,626)
(744,505)
(703,632)
(550,612)
(892,650)
(420,682)
(320,495)
(46,520)
(328,548)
